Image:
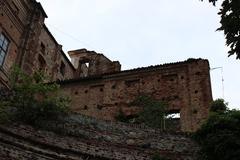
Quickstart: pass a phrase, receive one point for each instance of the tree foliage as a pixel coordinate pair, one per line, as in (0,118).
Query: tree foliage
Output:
(32,100)
(230,25)
(219,137)
(219,106)
(157,156)
(153,111)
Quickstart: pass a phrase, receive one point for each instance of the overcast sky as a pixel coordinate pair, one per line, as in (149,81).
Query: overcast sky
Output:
(147,32)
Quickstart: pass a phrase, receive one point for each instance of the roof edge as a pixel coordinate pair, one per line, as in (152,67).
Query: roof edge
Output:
(101,76)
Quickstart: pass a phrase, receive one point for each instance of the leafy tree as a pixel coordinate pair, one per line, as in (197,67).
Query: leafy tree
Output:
(32,100)
(219,137)
(230,25)
(153,111)
(218,106)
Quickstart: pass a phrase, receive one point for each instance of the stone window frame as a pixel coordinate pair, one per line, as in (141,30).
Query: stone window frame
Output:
(4,45)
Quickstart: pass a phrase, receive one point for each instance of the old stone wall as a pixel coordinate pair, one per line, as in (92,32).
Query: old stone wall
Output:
(185,86)
(89,138)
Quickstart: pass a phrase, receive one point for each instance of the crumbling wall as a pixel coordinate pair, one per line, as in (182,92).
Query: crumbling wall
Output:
(89,63)
(185,86)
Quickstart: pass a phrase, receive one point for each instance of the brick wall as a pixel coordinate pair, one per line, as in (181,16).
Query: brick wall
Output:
(185,86)
(22,22)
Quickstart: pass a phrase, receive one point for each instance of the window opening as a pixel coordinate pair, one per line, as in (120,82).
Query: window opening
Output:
(62,69)
(4,44)
(43,48)
(42,63)
(172,120)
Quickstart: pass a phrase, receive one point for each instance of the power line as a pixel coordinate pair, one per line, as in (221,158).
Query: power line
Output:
(70,36)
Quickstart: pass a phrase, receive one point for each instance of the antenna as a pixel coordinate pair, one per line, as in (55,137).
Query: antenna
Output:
(222,78)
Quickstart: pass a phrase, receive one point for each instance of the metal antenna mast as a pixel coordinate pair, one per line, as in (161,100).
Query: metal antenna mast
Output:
(222,79)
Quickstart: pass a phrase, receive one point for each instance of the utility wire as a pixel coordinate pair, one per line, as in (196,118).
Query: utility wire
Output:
(69,36)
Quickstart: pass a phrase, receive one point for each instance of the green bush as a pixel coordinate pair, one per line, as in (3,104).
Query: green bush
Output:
(121,117)
(33,100)
(218,105)
(219,137)
(157,156)
(153,111)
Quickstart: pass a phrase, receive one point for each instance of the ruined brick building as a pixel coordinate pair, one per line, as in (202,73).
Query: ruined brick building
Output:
(96,85)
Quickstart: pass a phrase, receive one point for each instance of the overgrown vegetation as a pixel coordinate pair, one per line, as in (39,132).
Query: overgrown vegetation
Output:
(31,100)
(121,117)
(152,112)
(219,137)
(157,156)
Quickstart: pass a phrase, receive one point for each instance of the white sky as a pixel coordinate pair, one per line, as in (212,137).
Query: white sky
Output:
(147,33)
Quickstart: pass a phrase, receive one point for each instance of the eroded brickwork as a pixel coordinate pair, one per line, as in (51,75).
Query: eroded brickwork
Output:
(90,63)
(185,86)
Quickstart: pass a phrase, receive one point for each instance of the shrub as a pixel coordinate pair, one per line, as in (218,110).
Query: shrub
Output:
(121,117)
(32,100)
(153,111)
(157,156)
(218,105)
(219,136)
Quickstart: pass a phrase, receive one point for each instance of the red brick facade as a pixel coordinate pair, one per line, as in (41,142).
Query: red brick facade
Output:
(185,86)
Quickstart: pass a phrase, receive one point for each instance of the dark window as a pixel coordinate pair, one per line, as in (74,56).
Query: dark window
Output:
(15,8)
(43,48)
(99,107)
(4,43)
(62,69)
(42,63)
(85,107)
(114,87)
